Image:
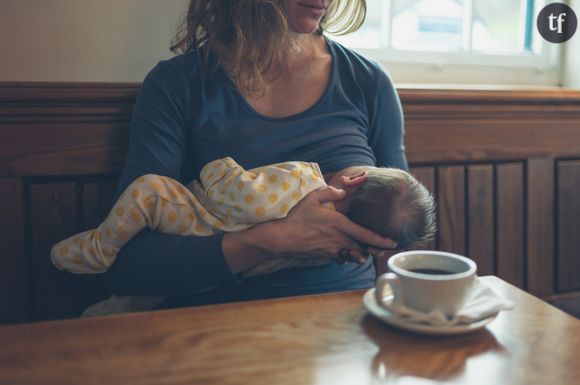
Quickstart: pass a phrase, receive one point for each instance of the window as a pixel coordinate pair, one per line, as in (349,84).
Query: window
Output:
(458,41)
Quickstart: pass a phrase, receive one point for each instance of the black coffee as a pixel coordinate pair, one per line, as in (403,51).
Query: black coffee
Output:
(432,271)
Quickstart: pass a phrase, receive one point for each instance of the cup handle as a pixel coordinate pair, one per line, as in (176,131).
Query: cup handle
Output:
(388,279)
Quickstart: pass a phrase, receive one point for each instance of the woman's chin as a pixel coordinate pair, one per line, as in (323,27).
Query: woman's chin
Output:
(306,27)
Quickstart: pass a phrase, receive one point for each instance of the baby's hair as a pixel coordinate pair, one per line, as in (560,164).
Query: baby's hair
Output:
(394,204)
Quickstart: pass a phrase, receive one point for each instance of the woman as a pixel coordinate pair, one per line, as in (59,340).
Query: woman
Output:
(258,81)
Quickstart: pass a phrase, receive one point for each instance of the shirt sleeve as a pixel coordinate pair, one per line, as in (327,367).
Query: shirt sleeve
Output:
(386,126)
(155,263)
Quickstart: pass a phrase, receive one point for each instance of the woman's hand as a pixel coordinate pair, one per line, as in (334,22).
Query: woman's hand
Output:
(309,230)
(314,230)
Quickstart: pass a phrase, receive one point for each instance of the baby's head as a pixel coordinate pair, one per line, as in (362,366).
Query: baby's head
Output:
(388,201)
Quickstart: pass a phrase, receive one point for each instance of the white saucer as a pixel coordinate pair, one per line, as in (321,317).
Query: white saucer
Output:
(392,319)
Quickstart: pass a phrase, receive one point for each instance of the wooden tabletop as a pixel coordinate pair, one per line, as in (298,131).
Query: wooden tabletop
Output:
(321,339)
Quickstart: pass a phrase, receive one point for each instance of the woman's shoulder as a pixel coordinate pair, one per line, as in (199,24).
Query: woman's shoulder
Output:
(359,75)
(180,67)
(184,76)
(356,70)
(359,65)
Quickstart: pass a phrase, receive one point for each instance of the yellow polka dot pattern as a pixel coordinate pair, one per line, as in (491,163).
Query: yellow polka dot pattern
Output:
(284,209)
(259,194)
(136,215)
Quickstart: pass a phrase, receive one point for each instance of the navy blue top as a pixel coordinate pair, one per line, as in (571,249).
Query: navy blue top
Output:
(185,117)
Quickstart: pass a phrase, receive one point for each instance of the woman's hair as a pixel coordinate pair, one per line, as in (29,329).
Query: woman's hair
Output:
(249,36)
(394,204)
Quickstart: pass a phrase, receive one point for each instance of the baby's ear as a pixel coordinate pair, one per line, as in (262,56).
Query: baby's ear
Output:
(354,180)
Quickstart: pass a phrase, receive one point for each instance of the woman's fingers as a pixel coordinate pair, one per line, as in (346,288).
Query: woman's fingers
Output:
(379,253)
(357,255)
(364,235)
(327,234)
(328,194)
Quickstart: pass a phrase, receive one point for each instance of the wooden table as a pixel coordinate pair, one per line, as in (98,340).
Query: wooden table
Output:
(322,339)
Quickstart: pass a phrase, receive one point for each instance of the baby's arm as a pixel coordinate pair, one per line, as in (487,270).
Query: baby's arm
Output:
(239,196)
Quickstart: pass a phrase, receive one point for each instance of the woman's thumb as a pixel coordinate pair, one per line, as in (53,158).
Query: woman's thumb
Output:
(329,194)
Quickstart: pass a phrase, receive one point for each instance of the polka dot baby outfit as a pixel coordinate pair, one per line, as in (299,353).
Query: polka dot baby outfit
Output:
(227,198)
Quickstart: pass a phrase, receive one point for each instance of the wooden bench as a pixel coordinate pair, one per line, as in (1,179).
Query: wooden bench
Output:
(504,166)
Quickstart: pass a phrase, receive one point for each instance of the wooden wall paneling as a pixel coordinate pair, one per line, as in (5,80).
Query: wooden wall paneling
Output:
(426,175)
(451,200)
(540,226)
(510,232)
(488,125)
(64,128)
(14,278)
(64,148)
(568,226)
(97,200)
(53,214)
(468,138)
(481,217)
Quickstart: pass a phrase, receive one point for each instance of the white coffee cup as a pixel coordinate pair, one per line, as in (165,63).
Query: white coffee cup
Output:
(427,281)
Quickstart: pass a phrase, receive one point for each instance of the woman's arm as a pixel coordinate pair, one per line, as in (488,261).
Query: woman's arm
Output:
(154,263)
(386,126)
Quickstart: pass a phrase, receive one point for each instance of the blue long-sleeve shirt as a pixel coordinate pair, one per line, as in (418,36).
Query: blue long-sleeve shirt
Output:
(185,117)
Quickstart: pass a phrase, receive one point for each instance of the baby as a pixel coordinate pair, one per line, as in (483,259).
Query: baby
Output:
(228,198)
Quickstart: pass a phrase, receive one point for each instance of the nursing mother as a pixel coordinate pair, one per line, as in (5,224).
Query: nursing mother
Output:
(258,81)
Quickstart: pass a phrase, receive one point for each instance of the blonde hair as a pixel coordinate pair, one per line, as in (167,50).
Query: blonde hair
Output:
(250,36)
(394,204)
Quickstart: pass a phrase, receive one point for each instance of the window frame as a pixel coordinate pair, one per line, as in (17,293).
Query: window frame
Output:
(468,66)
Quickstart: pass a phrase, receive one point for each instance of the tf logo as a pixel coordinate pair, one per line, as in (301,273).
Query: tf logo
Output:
(557,23)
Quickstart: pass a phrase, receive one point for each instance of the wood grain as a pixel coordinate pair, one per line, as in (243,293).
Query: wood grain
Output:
(54,149)
(426,175)
(540,226)
(14,293)
(97,200)
(489,125)
(568,225)
(64,128)
(469,139)
(510,223)
(480,216)
(451,198)
(53,214)
(320,339)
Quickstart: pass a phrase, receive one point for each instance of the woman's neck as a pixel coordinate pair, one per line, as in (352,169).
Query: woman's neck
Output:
(301,51)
